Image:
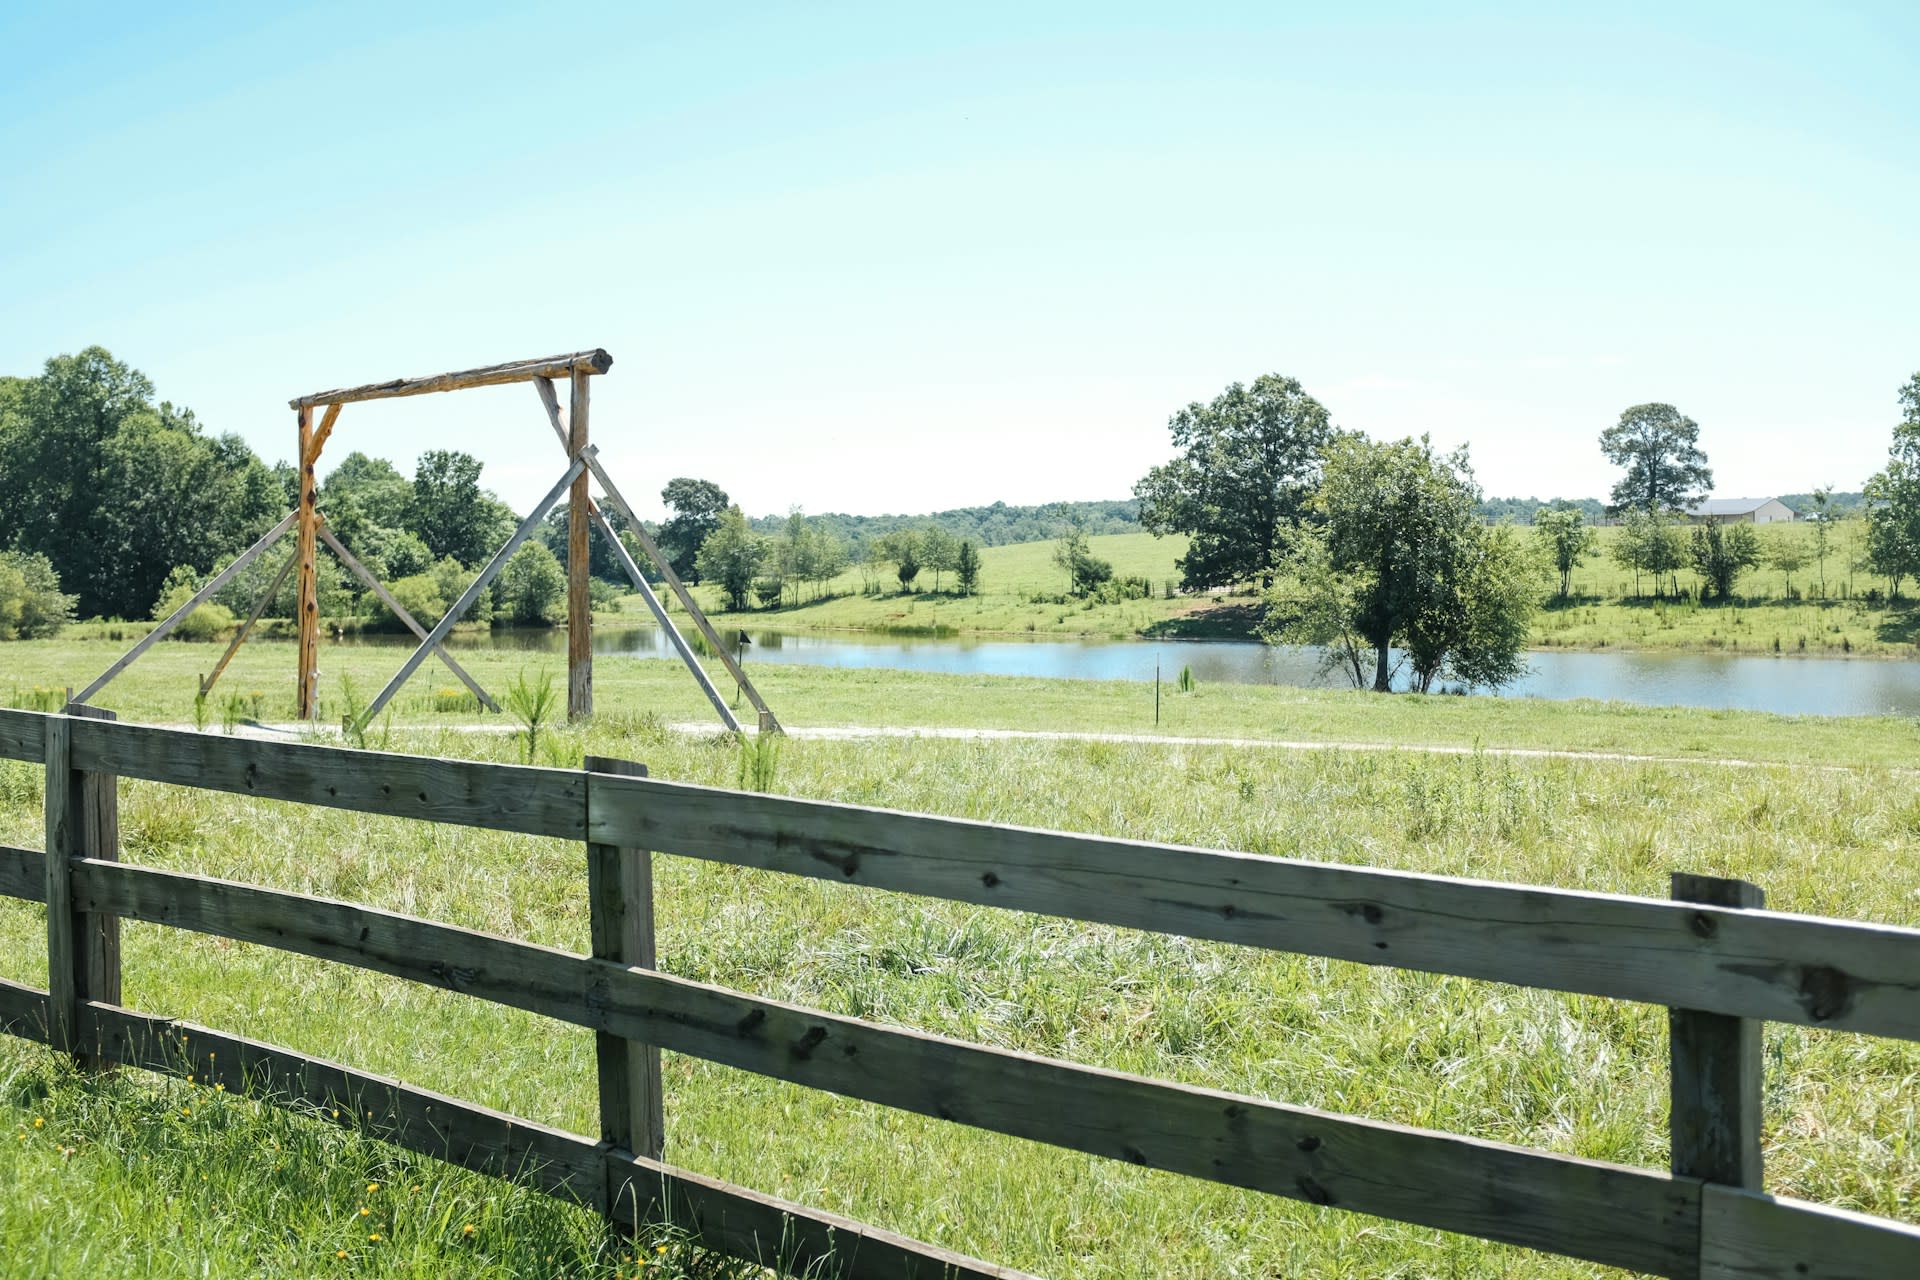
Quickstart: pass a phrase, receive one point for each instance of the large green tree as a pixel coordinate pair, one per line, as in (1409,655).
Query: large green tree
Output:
(1247,467)
(694,509)
(115,489)
(731,556)
(451,513)
(1401,560)
(1893,498)
(1660,448)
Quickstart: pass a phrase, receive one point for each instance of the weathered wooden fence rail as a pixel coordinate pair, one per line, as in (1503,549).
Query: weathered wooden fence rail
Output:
(1721,968)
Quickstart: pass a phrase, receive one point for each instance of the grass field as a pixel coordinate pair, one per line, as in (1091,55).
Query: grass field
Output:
(1011,577)
(131,1178)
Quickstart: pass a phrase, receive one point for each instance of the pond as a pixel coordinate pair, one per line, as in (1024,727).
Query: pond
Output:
(1792,686)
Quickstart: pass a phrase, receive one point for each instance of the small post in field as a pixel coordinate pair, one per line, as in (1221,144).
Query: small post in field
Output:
(83,950)
(620,906)
(1714,1119)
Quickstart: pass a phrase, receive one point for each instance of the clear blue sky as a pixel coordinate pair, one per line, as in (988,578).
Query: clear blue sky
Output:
(902,257)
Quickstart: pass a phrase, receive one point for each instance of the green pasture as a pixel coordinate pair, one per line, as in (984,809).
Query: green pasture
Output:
(130,1176)
(1022,592)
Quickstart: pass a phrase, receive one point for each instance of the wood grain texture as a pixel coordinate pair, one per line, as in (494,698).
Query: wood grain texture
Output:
(727,1218)
(401,612)
(96,935)
(23,735)
(23,1011)
(521,798)
(1748,1236)
(322,432)
(1756,964)
(1604,1213)
(63,846)
(620,914)
(306,595)
(1714,1070)
(595,361)
(23,874)
(579,597)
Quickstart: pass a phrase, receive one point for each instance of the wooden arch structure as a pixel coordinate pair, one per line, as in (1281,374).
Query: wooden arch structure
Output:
(310,526)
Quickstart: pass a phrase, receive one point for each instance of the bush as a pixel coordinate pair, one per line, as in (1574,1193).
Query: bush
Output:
(532,589)
(205,622)
(31,603)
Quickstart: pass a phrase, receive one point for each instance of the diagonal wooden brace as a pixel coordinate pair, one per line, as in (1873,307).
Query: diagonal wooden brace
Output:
(472,593)
(411,623)
(179,615)
(672,579)
(240,636)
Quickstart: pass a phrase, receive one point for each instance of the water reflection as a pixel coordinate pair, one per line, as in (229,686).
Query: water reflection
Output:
(1786,685)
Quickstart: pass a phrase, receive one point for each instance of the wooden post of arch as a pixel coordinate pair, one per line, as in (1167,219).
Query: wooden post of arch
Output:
(579,597)
(307,598)
(306,605)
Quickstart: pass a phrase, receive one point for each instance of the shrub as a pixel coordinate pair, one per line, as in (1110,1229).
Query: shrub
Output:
(31,602)
(205,622)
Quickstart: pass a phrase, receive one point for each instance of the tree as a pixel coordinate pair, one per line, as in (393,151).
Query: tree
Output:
(1650,542)
(1247,467)
(1788,554)
(1085,571)
(730,557)
(1825,512)
(1563,532)
(532,588)
(450,511)
(31,602)
(1893,498)
(938,549)
(376,488)
(1403,559)
(695,508)
(114,490)
(1721,553)
(1659,446)
(901,549)
(966,568)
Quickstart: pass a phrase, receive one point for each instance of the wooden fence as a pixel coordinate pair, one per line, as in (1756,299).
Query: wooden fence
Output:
(1718,961)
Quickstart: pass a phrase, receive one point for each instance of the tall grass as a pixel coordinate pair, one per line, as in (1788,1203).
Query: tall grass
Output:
(1559,1072)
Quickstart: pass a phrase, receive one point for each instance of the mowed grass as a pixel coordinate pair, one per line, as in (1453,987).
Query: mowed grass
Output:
(1011,577)
(113,1180)
(160,689)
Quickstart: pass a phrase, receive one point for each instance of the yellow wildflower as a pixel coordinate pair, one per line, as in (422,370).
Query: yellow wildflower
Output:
(372,1187)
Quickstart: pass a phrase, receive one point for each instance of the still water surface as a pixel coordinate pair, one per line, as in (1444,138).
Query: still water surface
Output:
(1794,686)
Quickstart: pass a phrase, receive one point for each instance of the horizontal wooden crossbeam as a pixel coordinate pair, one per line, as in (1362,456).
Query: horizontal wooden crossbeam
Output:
(493,375)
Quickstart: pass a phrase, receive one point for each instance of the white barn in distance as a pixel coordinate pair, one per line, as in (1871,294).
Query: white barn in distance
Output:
(1740,511)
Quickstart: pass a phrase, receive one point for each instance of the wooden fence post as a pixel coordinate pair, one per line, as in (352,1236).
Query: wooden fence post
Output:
(83,950)
(620,905)
(1714,1119)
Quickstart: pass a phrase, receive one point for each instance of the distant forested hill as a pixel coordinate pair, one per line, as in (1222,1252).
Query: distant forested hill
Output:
(1520,510)
(984,526)
(1802,503)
